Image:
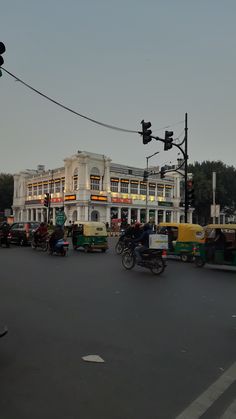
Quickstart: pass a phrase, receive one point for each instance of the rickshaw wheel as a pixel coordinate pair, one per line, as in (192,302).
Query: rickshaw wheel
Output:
(184,257)
(86,248)
(199,262)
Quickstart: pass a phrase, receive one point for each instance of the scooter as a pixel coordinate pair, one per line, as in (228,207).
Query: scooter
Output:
(153,259)
(60,248)
(5,239)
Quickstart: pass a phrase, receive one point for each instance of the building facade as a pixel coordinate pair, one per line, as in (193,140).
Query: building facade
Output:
(91,187)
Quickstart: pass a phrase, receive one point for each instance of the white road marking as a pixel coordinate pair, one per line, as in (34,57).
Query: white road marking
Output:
(199,406)
(92,358)
(230,413)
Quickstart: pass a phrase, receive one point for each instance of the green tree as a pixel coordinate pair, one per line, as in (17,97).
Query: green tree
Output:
(225,188)
(6,190)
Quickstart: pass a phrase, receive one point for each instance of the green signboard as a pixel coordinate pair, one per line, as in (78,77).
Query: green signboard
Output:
(60,218)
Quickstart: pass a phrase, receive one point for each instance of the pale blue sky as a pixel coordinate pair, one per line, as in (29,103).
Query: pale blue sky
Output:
(118,61)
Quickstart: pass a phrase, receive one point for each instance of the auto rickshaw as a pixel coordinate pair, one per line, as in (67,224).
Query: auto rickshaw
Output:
(89,235)
(219,247)
(182,239)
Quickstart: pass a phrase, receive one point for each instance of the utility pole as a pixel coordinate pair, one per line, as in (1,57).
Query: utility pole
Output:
(49,200)
(186,169)
(214,195)
(147,159)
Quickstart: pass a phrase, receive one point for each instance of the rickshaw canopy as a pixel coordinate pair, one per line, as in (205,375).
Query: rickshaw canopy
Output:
(92,228)
(187,232)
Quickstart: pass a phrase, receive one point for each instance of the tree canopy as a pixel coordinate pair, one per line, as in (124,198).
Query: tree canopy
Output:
(225,188)
(6,191)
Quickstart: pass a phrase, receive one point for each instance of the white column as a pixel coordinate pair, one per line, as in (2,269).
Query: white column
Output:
(86,213)
(138,215)
(108,215)
(172,216)
(129,215)
(164,216)
(54,215)
(156,217)
(119,212)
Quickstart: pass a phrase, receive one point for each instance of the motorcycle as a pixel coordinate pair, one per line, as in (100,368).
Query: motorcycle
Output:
(153,259)
(60,248)
(122,243)
(39,243)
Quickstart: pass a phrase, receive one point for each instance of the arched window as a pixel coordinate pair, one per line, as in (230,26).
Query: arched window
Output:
(95,179)
(75,179)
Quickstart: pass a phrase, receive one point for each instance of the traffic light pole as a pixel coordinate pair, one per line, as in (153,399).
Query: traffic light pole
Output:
(49,200)
(186,169)
(185,156)
(147,191)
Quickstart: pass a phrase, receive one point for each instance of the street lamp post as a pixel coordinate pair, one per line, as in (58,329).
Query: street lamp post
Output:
(147,160)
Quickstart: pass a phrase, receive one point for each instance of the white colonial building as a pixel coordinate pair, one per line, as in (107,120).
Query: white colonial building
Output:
(91,187)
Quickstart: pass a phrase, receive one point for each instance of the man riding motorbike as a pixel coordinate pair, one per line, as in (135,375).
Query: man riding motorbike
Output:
(40,233)
(144,240)
(4,231)
(56,235)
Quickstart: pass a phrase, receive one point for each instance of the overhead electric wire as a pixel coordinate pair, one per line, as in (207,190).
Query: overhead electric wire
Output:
(67,108)
(113,127)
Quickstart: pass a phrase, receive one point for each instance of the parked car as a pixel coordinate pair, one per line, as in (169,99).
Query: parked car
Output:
(21,233)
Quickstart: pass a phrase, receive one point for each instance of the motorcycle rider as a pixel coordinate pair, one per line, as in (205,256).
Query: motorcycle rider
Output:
(40,233)
(56,235)
(144,240)
(4,231)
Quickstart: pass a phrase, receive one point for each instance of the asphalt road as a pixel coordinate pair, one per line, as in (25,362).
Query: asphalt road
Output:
(164,339)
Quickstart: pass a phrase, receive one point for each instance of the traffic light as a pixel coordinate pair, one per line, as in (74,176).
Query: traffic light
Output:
(46,200)
(162,172)
(145,175)
(190,193)
(168,140)
(146,132)
(2,50)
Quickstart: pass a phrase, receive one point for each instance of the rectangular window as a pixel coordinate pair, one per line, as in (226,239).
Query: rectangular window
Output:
(124,186)
(40,187)
(134,187)
(152,189)
(114,185)
(45,187)
(57,186)
(29,190)
(160,190)
(95,183)
(169,192)
(143,188)
(75,181)
(35,190)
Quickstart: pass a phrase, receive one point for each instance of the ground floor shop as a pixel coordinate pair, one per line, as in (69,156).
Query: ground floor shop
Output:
(107,213)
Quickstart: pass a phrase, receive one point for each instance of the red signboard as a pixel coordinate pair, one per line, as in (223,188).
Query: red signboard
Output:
(122,200)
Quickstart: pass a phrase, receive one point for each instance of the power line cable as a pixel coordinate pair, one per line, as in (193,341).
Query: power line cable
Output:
(67,108)
(113,127)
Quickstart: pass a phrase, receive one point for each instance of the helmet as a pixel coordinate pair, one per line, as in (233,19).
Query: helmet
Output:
(137,225)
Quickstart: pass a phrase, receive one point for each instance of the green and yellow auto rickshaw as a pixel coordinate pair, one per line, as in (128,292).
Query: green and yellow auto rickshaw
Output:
(89,235)
(182,239)
(219,247)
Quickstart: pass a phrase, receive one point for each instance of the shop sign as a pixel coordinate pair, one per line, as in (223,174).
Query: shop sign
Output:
(98,198)
(56,200)
(165,204)
(34,201)
(70,198)
(122,200)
